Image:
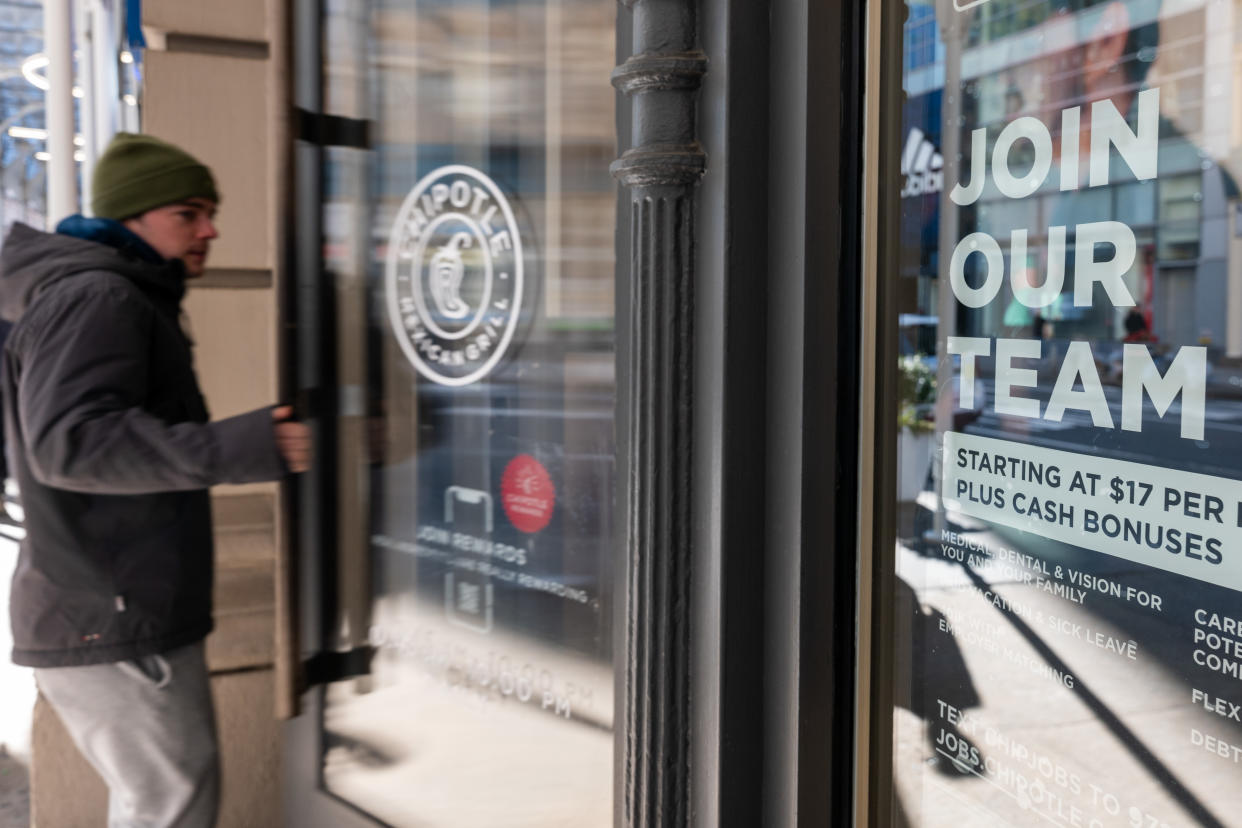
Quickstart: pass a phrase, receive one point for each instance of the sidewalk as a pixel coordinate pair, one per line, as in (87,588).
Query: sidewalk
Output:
(14,792)
(17,695)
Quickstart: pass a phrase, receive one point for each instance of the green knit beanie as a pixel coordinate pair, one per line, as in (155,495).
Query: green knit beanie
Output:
(138,173)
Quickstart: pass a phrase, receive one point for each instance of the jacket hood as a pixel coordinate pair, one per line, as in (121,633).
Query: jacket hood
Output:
(32,260)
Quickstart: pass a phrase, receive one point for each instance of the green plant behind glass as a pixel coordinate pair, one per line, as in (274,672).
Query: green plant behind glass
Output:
(917,389)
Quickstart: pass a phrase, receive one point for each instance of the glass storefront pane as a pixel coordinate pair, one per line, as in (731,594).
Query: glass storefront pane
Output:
(471,250)
(1067,617)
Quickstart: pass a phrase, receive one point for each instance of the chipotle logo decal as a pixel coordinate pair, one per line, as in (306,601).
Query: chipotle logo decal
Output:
(453,276)
(527,493)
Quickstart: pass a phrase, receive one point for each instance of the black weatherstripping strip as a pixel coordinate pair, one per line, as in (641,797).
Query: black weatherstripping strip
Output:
(844,577)
(331,130)
(882,806)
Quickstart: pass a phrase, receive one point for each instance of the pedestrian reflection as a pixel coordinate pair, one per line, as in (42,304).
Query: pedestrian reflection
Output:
(939,682)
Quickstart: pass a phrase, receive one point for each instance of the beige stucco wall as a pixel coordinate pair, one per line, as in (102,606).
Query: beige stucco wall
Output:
(215,84)
(215,107)
(235,19)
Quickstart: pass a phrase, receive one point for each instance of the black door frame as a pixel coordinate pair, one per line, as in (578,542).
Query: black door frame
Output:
(813,361)
(881,386)
(742,709)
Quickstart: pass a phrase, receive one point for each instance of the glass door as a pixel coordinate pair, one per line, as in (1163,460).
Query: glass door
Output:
(1061,529)
(469,271)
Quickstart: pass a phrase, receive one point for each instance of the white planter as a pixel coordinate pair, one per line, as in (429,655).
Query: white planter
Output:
(914,457)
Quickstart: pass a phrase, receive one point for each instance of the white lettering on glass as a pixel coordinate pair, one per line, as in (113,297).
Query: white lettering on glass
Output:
(1138,149)
(1186,377)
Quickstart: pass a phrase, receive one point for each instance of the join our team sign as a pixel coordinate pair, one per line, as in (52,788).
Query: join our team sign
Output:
(1185,523)
(1177,521)
(1138,149)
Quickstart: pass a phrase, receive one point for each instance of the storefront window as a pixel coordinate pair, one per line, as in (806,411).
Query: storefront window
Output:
(471,249)
(1067,617)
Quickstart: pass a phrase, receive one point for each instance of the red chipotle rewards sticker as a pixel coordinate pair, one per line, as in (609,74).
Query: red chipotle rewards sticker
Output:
(527,493)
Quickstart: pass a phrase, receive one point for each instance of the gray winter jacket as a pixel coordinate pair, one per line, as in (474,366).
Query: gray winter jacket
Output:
(113,453)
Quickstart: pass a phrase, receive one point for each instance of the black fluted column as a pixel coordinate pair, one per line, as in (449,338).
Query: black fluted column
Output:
(661,171)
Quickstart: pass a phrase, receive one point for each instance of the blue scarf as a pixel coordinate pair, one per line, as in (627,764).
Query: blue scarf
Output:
(109,232)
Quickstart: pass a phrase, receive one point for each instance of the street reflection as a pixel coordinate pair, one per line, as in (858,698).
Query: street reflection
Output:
(1071,419)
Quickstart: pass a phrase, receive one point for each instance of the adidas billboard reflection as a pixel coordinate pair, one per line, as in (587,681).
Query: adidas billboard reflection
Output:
(921,165)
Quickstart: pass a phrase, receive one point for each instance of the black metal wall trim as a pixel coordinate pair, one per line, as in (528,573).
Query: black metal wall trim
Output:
(662,170)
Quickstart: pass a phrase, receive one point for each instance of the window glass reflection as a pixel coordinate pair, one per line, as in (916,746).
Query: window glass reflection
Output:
(1069,504)
(471,250)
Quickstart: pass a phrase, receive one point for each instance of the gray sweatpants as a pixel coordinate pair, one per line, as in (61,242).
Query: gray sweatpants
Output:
(148,727)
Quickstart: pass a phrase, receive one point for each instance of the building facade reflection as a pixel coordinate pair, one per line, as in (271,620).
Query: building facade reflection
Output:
(1075,540)
(472,251)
